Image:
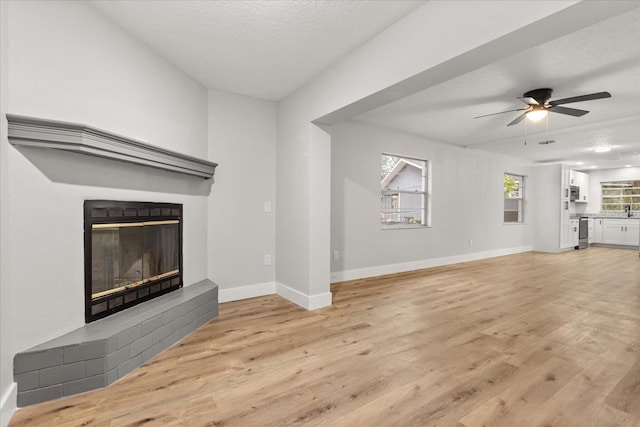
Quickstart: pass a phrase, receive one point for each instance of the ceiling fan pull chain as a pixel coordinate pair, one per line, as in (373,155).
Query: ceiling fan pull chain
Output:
(547,124)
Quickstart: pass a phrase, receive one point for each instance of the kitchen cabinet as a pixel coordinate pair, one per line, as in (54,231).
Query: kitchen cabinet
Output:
(581,180)
(613,231)
(565,182)
(591,227)
(632,237)
(566,229)
(621,231)
(597,230)
(574,233)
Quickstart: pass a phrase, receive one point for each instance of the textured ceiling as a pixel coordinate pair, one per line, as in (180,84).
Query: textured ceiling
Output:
(263,49)
(267,49)
(603,57)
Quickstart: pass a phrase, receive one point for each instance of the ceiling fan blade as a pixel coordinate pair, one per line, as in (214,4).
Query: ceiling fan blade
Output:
(569,111)
(517,119)
(581,98)
(501,112)
(528,100)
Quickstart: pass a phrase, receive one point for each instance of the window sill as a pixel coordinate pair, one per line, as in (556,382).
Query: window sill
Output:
(403,227)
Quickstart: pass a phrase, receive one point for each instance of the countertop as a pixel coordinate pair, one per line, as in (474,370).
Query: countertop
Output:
(615,215)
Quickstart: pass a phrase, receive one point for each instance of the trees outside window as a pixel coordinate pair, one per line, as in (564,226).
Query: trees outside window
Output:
(620,195)
(513,198)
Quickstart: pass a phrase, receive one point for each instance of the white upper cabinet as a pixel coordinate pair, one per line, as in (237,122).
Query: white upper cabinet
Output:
(583,183)
(581,180)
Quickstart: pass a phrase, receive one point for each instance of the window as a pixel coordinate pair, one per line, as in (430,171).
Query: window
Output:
(513,198)
(620,195)
(404,184)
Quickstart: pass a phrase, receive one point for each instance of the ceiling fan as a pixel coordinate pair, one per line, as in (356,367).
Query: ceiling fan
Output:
(539,105)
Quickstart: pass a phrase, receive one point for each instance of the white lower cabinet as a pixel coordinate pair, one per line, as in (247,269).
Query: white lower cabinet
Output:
(591,223)
(633,233)
(613,231)
(574,233)
(566,229)
(620,231)
(597,230)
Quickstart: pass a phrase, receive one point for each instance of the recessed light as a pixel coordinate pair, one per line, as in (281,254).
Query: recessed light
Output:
(579,163)
(593,167)
(627,166)
(602,148)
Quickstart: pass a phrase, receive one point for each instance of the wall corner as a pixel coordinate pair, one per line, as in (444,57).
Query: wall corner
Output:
(8,404)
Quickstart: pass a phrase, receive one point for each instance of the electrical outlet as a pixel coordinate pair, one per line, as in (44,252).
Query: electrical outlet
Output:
(267,259)
(336,255)
(267,207)
(470,242)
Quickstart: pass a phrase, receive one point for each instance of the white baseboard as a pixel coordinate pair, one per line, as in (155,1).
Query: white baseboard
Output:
(244,292)
(380,270)
(309,302)
(8,405)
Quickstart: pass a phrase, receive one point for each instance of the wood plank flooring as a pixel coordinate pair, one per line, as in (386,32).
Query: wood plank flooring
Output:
(524,340)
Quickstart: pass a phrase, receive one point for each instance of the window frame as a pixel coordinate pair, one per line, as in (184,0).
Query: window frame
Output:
(634,186)
(396,195)
(521,198)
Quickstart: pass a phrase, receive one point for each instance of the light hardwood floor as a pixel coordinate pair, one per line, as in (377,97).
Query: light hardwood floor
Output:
(524,340)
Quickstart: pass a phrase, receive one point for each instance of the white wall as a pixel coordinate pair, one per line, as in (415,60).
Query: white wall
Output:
(7,389)
(546,206)
(67,62)
(382,70)
(242,138)
(598,176)
(467,203)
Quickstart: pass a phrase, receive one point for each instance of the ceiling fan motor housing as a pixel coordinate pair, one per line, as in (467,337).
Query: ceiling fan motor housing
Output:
(541,95)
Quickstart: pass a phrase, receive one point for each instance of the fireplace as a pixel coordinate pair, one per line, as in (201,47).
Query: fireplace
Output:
(133,253)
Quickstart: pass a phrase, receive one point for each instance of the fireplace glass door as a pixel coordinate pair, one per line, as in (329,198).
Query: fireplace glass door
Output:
(130,260)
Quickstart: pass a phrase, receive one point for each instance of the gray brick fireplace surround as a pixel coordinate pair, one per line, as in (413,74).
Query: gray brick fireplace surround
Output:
(104,351)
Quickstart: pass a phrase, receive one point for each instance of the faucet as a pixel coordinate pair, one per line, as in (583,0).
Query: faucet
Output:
(627,209)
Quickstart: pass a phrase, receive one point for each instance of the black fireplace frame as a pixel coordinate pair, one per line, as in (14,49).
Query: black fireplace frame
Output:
(112,211)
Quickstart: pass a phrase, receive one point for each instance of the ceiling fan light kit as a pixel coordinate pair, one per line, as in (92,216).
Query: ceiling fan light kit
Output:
(536,114)
(539,104)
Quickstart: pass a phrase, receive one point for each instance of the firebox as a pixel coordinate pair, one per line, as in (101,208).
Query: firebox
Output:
(133,253)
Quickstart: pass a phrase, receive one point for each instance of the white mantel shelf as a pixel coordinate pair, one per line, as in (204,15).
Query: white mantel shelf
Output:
(78,138)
